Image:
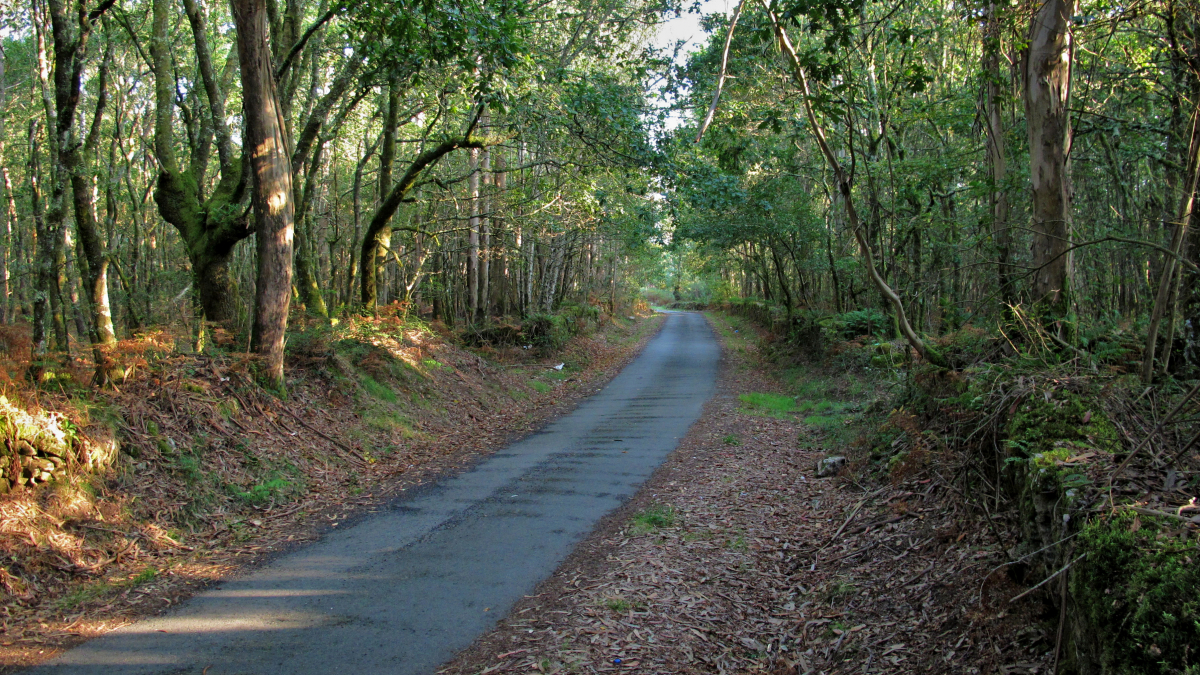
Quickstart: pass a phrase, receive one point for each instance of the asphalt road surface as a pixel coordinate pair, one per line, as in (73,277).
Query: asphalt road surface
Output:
(404,589)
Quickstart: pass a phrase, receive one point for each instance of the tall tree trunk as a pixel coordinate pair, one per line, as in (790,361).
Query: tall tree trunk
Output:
(272,197)
(1047,93)
(380,221)
(45,274)
(485,237)
(11,229)
(500,275)
(11,213)
(997,156)
(473,237)
(94,261)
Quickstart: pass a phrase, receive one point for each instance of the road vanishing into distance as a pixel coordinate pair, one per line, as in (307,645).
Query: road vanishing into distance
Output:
(404,589)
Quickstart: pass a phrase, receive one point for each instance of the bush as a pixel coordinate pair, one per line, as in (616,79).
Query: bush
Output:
(868,321)
(545,331)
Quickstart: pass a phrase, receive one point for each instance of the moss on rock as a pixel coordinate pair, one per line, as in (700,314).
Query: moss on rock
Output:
(1137,589)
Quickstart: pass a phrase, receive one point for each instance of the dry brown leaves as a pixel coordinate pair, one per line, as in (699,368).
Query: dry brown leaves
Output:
(770,570)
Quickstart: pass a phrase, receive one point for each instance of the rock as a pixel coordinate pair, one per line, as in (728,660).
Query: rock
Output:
(830,466)
(25,449)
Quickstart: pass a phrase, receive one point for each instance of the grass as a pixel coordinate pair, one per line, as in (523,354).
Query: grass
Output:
(265,492)
(378,390)
(773,405)
(619,605)
(826,422)
(103,587)
(731,439)
(389,420)
(738,543)
(540,387)
(653,518)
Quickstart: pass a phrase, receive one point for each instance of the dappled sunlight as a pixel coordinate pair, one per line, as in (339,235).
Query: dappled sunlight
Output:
(229,623)
(274,593)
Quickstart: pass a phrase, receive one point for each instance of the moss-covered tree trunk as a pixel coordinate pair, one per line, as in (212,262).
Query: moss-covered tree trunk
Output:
(209,227)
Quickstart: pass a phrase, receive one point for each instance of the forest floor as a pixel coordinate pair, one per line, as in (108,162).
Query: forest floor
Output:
(217,476)
(736,558)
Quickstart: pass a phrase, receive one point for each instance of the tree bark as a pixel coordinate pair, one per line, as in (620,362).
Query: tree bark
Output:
(10,219)
(271,168)
(45,273)
(1047,93)
(473,237)
(997,157)
(485,237)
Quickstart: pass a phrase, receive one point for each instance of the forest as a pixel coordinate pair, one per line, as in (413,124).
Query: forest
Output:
(983,205)
(464,160)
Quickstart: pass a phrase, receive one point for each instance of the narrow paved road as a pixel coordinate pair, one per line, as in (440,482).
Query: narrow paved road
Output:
(405,589)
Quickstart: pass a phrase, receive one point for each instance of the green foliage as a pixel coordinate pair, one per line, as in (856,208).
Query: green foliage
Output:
(1139,589)
(540,387)
(869,321)
(1051,419)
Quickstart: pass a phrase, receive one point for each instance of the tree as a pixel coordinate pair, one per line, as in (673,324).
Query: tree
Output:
(1047,81)
(271,168)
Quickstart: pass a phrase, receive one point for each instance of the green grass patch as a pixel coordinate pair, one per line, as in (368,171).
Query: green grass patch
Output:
(826,422)
(145,576)
(268,491)
(388,420)
(540,387)
(378,390)
(88,593)
(774,405)
(618,605)
(653,518)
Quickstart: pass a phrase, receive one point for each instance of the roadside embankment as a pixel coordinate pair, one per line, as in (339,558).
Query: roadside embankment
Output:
(214,473)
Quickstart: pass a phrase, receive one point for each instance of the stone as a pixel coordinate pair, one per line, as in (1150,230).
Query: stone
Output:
(830,466)
(24,448)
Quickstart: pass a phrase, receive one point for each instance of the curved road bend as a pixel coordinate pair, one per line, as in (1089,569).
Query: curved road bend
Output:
(404,589)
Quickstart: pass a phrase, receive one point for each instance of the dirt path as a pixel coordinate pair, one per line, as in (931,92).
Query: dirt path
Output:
(735,558)
(401,591)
